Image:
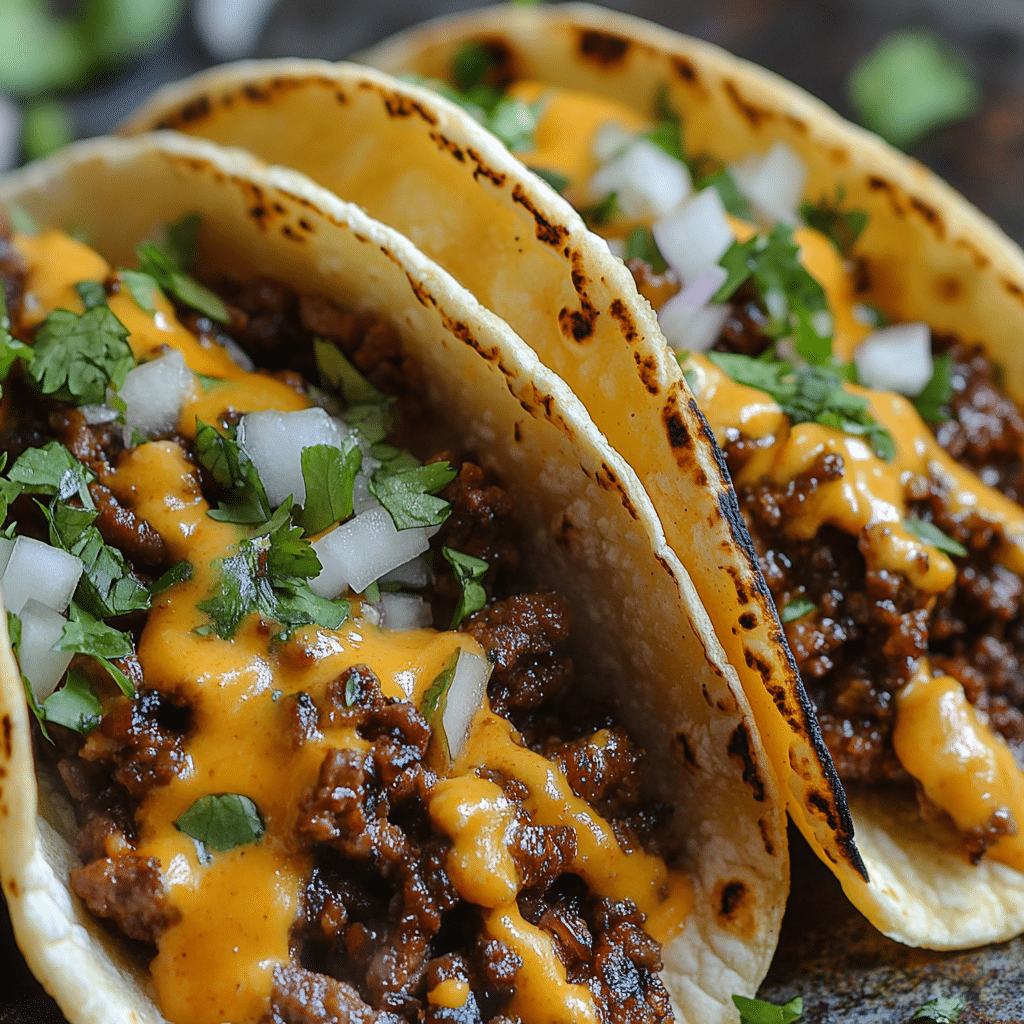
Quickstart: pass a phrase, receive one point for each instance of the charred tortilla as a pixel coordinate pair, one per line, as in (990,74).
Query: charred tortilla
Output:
(588,528)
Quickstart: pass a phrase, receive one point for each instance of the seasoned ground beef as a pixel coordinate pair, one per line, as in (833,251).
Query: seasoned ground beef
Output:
(381,923)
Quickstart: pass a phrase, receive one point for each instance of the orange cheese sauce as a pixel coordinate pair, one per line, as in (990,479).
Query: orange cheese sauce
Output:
(237,907)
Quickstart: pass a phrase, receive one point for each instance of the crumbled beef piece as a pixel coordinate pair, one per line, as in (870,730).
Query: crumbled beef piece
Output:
(122,528)
(104,812)
(1000,824)
(519,635)
(745,330)
(603,769)
(303,719)
(95,445)
(130,890)
(302,997)
(447,968)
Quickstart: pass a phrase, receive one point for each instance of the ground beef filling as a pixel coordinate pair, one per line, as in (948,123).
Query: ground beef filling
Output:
(870,629)
(380,923)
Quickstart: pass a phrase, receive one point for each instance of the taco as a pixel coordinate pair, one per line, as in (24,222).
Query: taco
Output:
(257,762)
(785,234)
(419,163)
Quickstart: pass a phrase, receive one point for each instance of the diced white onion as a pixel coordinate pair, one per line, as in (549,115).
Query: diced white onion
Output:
(464,699)
(236,352)
(360,551)
(696,237)
(609,140)
(41,628)
(647,181)
(37,570)
(414,573)
(687,328)
(95,414)
(154,392)
(6,547)
(773,184)
(896,359)
(404,611)
(274,441)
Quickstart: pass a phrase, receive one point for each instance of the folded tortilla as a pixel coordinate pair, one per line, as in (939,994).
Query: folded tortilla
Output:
(966,278)
(643,638)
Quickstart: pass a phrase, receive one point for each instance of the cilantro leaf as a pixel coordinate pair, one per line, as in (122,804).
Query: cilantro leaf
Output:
(74,705)
(85,634)
(810,345)
(222,821)
(667,132)
(178,573)
(76,358)
(468,573)
(797,609)
(558,181)
(181,239)
(161,264)
(601,212)
(640,244)
(757,1011)
(931,534)
(92,293)
(471,62)
(944,1010)
(841,227)
(509,118)
(329,474)
(337,372)
(407,494)
(52,470)
(141,287)
(435,701)
(10,348)
(107,587)
(932,403)
(245,499)
(909,85)
(709,172)
(814,394)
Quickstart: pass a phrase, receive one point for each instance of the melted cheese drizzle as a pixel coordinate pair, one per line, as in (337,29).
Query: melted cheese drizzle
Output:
(868,501)
(217,963)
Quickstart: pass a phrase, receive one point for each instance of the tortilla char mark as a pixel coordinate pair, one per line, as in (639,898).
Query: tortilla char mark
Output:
(605,49)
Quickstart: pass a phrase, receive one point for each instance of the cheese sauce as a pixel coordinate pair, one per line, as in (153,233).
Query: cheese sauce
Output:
(237,908)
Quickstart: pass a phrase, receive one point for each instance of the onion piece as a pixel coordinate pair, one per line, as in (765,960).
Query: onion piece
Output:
(41,629)
(37,570)
(464,698)
(414,573)
(773,184)
(696,237)
(647,181)
(274,441)
(360,551)
(404,611)
(95,414)
(609,141)
(154,392)
(896,358)
(689,328)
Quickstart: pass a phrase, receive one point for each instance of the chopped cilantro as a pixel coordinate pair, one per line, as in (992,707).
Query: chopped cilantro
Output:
(329,474)
(667,132)
(141,287)
(797,609)
(841,227)
(10,348)
(222,821)
(932,402)
(514,121)
(782,283)
(471,62)
(558,181)
(810,345)
(85,634)
(92,293)
(435,701)
(107,587)
(944,1010)
(338,372)
(268,575)
(468,573)
(74,705)
(757,1011)
(76,358)
(640,244)
(180,240)
(931,534)
(911,84)
(408,494)
(51,470)
(814,394)
(245,499)
(178,573)
(709,172)
(163,263)
(601,212)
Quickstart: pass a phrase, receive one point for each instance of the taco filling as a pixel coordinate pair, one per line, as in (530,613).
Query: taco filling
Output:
(320,744)
(878,466)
